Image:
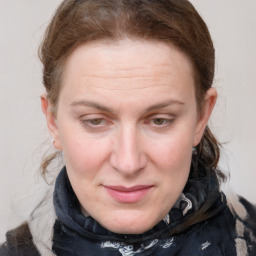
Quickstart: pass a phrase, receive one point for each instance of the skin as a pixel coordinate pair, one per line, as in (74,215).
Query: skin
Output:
(127,115)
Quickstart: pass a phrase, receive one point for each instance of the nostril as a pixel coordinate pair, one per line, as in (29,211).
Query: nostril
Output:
(128,156)
(128,165)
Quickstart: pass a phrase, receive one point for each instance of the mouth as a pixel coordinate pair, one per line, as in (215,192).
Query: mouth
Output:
(128,194)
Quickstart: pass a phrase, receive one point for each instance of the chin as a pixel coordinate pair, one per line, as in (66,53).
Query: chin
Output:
(126,229)
(129,223)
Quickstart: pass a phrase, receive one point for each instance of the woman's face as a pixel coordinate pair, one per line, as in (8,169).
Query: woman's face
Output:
(126,122)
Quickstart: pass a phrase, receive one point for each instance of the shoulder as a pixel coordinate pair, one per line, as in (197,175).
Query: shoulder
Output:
(245,224)
(230,232)
(244,211)
(237,222)
(213,236)
(19,242)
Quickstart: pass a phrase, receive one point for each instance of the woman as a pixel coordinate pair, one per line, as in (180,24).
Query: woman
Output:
(128,97)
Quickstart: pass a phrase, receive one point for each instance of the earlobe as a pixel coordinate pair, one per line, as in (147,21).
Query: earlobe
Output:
(51,121)
(205,113)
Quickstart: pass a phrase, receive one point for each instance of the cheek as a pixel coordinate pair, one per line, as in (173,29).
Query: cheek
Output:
(172,159)
(173,151)
(83,154)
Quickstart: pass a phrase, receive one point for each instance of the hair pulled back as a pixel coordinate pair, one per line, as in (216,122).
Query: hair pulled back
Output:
(171,21)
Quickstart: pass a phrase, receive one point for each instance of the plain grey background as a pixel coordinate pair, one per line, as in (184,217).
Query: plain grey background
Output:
(23,133)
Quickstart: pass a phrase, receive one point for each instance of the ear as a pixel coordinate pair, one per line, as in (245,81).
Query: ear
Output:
(205,113)
(51,121)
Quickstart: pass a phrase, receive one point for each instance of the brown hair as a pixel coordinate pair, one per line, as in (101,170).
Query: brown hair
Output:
(171,21)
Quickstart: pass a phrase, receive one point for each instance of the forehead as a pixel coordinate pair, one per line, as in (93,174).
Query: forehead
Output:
(127,58)
(127,65)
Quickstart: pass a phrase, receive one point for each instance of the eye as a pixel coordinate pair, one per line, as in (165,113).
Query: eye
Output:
(160,121)
(96,121)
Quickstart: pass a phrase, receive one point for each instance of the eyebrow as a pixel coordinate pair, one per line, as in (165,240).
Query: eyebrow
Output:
(164,104)
(92,104)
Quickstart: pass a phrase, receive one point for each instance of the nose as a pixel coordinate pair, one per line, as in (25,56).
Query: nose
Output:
(128,156)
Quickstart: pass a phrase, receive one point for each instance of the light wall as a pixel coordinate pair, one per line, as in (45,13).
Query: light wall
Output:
(23,133)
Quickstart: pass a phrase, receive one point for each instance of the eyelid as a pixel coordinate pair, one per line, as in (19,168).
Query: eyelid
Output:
(87,119)
(161,115)
(92,116)
(167,118)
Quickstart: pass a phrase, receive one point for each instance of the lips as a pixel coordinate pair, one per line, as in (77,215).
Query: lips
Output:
(128,194)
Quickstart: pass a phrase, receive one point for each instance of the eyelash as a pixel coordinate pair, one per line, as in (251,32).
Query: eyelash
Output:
(89,122)
(103,121)
(167,121)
